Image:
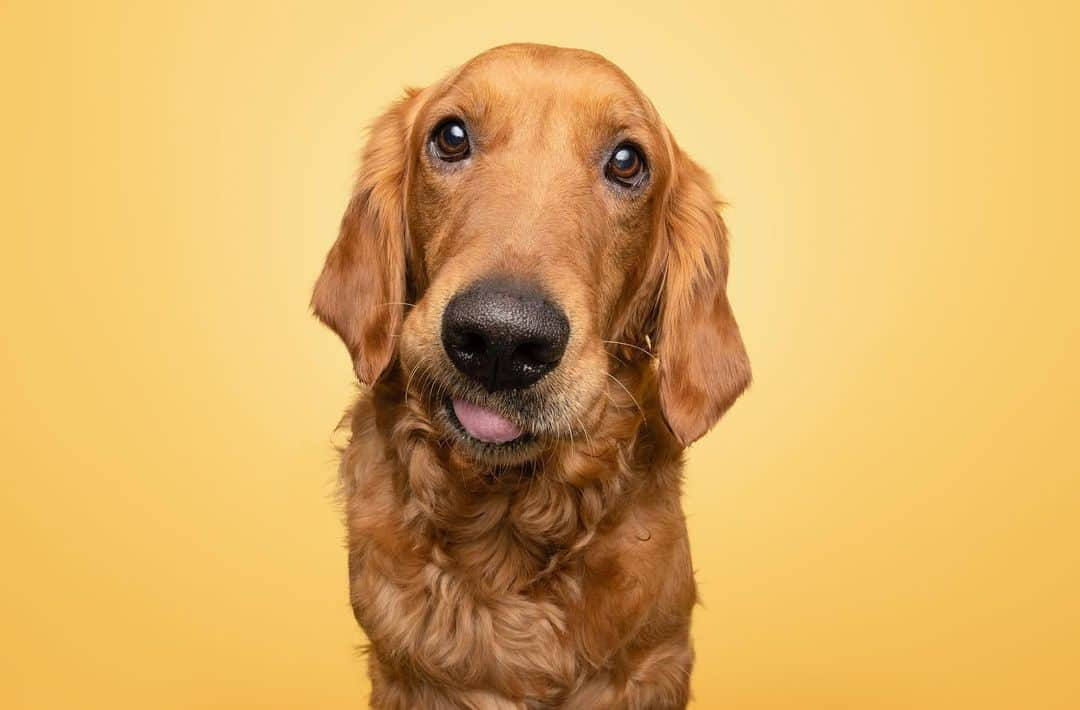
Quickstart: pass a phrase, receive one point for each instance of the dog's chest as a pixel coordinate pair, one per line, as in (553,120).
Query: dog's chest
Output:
(453,628)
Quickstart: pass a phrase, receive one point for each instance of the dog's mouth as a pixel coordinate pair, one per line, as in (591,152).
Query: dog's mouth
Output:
(483,426)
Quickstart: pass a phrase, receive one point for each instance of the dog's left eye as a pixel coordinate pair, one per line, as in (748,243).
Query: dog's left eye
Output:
(451,140)
(626,166)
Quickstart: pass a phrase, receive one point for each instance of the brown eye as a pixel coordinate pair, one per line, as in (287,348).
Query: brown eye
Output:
(450,140)
(626,166)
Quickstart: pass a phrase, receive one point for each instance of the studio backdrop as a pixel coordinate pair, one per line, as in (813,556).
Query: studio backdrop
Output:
(888,519)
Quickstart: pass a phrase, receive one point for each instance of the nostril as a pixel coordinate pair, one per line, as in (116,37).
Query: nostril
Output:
(468,343)
(535,352)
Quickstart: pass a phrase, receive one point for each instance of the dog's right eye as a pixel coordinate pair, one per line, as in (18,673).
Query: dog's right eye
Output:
(451,140)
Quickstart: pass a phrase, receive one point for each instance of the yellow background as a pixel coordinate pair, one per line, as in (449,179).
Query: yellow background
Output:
(889,519)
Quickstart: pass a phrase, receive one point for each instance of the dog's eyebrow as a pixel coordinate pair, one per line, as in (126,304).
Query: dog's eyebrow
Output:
(616,119)
(470,100)
(624,109)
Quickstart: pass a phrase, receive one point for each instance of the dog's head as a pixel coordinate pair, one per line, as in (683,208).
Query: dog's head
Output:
(514,225)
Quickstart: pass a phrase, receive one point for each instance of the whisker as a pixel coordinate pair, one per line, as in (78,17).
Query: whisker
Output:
(442,390)
(408,383)
(434,386)
(551,452)
(428,383)
(425,381)
(548,456)
(569,429)
(588,439)
(397,303)
(630,345)
(616,357)
(632,398)
(529,487)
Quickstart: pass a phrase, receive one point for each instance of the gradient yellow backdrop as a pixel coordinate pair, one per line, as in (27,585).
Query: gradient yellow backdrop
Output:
(890,518)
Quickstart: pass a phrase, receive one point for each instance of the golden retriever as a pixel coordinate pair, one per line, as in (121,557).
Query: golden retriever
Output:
(530,278)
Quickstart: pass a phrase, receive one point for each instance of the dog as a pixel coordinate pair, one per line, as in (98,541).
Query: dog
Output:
(530,278)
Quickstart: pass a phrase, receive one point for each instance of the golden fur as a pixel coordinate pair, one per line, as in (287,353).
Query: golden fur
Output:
(555,574)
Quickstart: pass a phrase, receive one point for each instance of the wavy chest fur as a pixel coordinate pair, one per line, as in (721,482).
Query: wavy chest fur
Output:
(520,590)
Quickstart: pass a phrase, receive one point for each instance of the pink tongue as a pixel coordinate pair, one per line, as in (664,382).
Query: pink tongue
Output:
(484,424)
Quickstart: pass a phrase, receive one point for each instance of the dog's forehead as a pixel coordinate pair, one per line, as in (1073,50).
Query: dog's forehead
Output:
(534,81)
(534,66)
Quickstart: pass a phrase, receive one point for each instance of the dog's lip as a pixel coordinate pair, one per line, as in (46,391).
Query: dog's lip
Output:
(449,406)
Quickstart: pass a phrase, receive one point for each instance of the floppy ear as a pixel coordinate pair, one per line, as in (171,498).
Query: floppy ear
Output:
(360,292)
(703,364)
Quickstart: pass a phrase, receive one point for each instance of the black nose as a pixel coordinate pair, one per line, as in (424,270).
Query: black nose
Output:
(504,335)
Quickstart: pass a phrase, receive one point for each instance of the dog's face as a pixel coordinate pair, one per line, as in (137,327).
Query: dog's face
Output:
(512,227)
